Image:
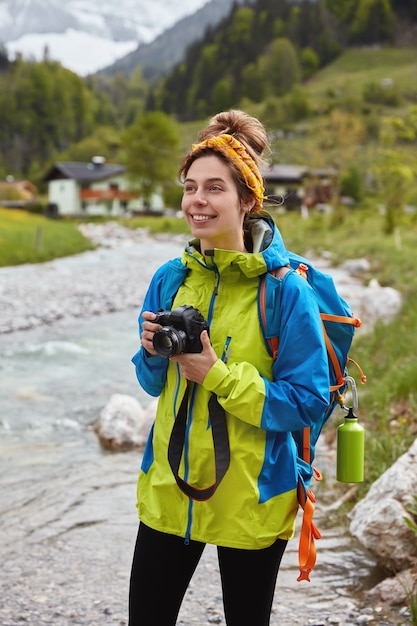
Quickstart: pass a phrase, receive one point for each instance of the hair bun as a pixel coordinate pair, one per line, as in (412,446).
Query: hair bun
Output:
(248,130)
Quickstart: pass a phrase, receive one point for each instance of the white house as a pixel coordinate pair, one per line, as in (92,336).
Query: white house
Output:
(94,188)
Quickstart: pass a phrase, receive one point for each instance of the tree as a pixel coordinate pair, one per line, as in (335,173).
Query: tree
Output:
(252,85)
(342,9)
(351,183)
(4,58)
(373,22)
(279,67)
(310,61)
(151,156)
(104,141)
(296,104)
(395,180)
(43,109)
(240,31)
(221,97)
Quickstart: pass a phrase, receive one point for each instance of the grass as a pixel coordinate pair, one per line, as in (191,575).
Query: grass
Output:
(340,87)
(411,591)
(358,67)
(28,238)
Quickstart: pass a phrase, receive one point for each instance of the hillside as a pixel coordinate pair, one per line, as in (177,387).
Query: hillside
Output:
(336,95)
(265,49)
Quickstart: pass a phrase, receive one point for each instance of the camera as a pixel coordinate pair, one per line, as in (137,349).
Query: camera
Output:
(180,332)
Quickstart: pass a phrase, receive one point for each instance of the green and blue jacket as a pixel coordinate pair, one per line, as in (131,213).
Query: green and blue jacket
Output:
(264,399)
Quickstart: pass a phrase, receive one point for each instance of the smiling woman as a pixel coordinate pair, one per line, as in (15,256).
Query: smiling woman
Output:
(234,405)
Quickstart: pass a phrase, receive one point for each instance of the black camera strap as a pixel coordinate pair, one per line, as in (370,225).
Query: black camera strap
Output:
(220,442)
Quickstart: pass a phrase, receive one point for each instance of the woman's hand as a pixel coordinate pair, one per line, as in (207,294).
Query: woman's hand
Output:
(195,366)
(148,331)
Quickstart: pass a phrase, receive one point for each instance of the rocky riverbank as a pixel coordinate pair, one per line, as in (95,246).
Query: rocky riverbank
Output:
(66,545)
(87,285)
(66,552)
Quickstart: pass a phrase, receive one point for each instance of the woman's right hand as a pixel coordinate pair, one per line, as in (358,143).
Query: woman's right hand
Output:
(148,331)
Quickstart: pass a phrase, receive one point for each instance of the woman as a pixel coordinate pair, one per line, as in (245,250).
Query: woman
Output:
(249,511)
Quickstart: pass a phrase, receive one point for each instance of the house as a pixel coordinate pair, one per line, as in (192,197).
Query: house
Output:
(94,188)
(284,184)
(295,186)
(98,188)
(17,193)
(321,187)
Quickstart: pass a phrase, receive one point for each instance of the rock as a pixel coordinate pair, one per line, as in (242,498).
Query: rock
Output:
(377,521)
(123,423)
(379,303)
(393,591)
(112,235)
(356,267)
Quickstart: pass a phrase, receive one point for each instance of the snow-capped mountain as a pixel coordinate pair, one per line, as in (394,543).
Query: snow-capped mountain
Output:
(86,35)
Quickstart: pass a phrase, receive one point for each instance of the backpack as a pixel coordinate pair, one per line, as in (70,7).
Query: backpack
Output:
(338,329)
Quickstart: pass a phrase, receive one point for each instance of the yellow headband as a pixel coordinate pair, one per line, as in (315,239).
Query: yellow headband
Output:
(236,152)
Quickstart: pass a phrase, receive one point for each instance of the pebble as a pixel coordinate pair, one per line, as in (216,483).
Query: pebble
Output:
(83,285)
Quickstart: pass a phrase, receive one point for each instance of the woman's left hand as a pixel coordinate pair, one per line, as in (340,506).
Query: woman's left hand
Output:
(195,366)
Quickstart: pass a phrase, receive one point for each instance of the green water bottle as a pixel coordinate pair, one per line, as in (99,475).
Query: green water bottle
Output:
(350,445)
(350,450)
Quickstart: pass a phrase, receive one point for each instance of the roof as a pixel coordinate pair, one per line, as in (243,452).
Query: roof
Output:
(285,173)
(83,172)
(20,185)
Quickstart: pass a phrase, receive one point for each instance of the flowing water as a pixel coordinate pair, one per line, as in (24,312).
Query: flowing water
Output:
(67,514)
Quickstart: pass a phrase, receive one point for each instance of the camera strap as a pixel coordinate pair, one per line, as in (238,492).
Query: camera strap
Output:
(220,442)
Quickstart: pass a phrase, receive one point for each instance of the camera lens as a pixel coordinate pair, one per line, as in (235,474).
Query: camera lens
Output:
(169,341)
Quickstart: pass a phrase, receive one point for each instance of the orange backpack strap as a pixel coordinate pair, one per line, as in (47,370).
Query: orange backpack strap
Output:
(309,531)
(360,370)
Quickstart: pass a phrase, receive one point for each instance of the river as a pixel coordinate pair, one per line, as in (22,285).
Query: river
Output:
(67,507)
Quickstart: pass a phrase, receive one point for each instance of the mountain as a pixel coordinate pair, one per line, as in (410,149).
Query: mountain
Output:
(166,50)
(87,35)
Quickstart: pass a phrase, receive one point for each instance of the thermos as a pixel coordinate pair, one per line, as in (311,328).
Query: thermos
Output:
(350,443)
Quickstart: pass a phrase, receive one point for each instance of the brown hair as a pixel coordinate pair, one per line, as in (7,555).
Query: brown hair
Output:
(243,127)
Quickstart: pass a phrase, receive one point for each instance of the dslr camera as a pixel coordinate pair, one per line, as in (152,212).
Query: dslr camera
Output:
(180,332)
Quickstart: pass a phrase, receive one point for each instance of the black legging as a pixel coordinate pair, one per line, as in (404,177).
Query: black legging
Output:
(163,566)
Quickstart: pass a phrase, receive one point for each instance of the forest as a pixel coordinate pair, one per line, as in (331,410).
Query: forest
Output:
(260,57)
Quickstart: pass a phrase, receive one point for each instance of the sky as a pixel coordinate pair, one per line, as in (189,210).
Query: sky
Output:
(91,46)
(78,51)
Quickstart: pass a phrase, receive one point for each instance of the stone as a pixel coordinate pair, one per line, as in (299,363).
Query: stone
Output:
(123,423)
(377,521)
(379,303)
(356,267)
(393,590)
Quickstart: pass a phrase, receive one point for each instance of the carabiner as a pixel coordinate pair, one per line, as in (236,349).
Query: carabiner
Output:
(354,393)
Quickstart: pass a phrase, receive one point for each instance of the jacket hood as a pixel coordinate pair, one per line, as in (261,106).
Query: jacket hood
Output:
(262,236)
